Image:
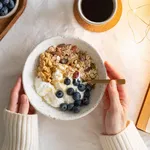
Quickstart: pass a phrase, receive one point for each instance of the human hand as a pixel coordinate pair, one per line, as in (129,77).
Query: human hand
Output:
(115,104)
(19,102)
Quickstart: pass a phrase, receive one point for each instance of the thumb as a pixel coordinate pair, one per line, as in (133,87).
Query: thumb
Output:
(24,104)
(113,95)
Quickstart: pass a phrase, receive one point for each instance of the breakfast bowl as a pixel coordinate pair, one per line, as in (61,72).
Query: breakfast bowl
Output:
(29,78)
(8,8)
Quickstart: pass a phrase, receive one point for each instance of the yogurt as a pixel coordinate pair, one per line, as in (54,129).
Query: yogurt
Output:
(47,91)
(57,75)
(43,88)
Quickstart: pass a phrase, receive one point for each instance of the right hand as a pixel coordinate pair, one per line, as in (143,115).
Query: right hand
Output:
(114,105)
(19,102)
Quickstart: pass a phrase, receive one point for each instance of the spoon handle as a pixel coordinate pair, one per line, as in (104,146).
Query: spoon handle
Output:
(106,81)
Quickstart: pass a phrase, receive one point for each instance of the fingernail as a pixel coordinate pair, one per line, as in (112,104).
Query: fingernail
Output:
(113,84)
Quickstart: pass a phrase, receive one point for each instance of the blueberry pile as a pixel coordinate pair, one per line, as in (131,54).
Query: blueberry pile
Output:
(78,102)
(6,6)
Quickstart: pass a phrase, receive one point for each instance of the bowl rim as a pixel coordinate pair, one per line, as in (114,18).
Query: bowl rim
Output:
(12,11)
(59,118)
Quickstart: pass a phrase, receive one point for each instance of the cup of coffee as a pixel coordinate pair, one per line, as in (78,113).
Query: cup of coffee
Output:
(97,12)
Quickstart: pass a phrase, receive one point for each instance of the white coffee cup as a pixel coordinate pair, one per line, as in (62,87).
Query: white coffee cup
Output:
(92,22)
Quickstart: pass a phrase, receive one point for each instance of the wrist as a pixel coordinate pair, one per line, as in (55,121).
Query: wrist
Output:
(116,129)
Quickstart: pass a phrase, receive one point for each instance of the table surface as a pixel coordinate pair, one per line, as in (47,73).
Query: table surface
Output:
(44,19)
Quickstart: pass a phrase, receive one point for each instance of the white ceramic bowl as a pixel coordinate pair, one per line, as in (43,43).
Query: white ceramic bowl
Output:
(92,22)
(29,76)
(12,11)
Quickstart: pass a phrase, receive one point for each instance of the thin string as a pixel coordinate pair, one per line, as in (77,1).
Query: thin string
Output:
(148,29)
(148,24)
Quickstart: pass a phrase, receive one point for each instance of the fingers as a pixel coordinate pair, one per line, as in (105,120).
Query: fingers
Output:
(112,73)
(113,95)
(24,104)
(105,102)
(19,101)
(22,90)
(15,96)
(31,109)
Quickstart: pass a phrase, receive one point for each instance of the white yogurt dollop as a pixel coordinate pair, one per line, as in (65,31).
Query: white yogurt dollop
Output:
(57,75)
(61,86)
(48,91)
(51,99)
(43,88)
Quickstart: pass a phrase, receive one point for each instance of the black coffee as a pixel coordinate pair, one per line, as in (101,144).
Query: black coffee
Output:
(97,10)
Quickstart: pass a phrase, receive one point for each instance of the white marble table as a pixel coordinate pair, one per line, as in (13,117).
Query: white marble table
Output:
(43,19)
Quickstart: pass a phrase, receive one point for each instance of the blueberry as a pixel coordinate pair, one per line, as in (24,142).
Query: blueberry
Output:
(81,87)
(70,91)
(4,11)
(59,94)
(76,82)
(1,5)
(70,106)
(89,87)
(67,81)
(11,4)
(5,2)
(76,109)
(63,106)
(77,103)
(85,101)
(76,96)
(87,94)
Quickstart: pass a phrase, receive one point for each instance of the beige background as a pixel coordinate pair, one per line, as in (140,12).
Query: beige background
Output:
(43,19)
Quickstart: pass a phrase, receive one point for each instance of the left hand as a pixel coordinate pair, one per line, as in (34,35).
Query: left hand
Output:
(19,102)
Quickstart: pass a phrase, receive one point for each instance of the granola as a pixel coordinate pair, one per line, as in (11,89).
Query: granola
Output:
(68,58)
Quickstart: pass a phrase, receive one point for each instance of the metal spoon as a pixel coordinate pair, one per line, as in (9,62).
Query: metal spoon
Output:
(106,81)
